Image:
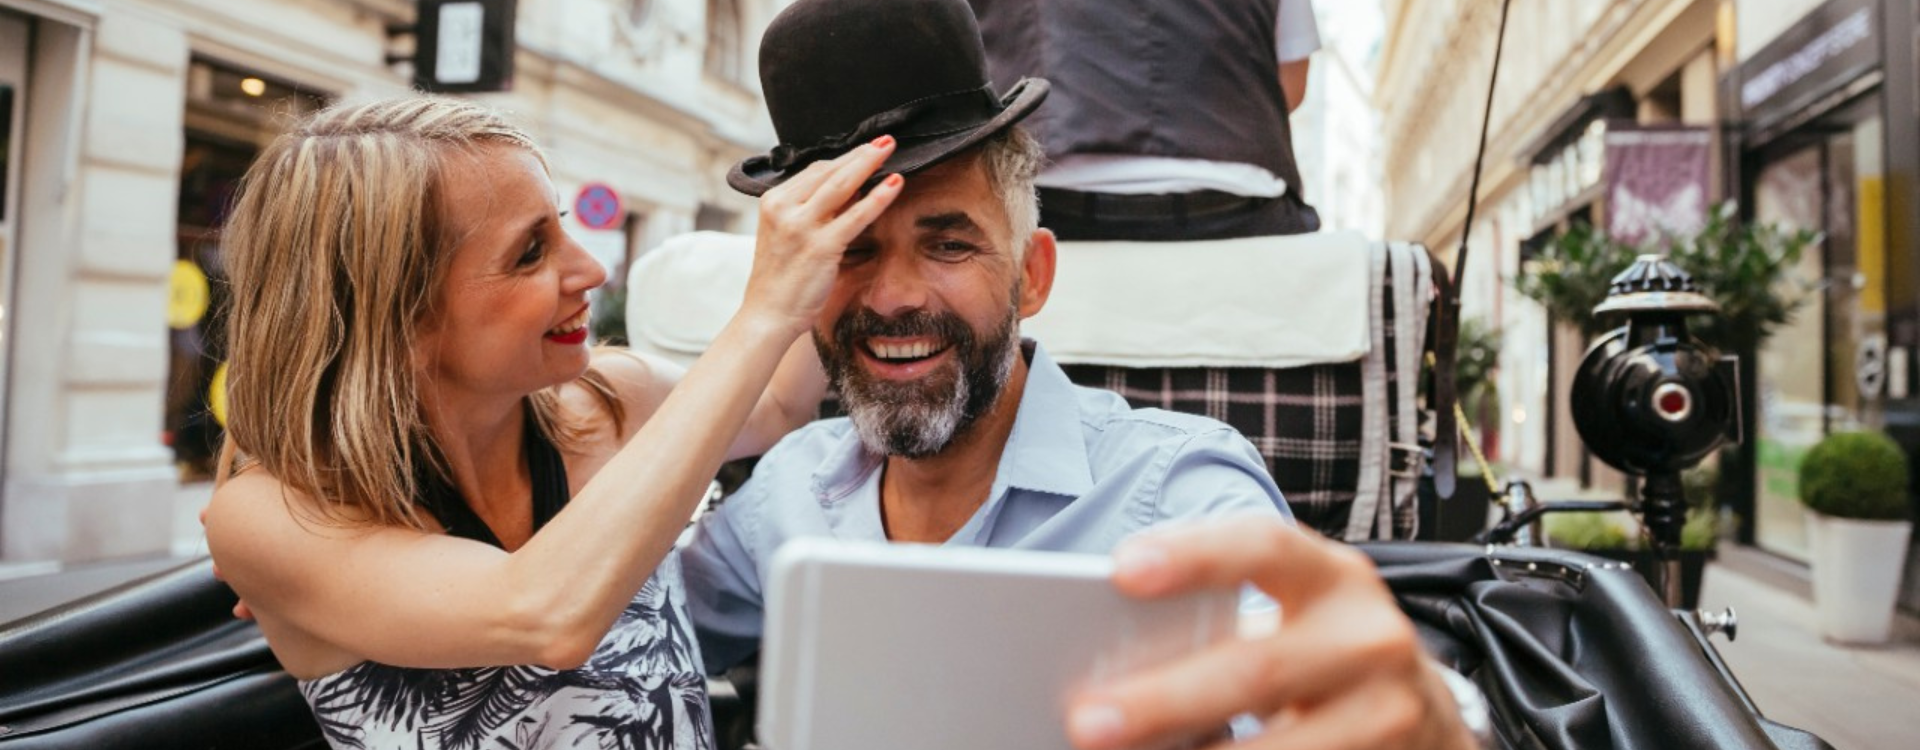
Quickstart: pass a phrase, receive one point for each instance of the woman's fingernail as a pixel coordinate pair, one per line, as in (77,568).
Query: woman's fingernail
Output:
(893,180)
(1139,561)
(885,141)
(1096,725)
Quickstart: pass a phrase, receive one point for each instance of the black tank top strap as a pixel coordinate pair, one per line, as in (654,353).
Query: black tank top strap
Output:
(549,469)
(550,491)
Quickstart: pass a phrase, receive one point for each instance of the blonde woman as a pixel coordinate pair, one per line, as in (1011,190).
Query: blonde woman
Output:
(453,521)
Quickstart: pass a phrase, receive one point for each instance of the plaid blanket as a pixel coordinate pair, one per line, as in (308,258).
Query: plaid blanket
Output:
(1313,425)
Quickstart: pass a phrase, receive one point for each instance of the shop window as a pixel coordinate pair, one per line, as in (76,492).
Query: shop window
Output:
(1826,371)
(231,114)
(724,40)
(243,105)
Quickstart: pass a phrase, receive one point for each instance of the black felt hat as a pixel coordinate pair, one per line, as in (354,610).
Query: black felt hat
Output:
(839,73)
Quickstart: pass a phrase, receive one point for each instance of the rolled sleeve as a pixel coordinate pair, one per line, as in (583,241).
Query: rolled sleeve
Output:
(724,595)
(1297,33)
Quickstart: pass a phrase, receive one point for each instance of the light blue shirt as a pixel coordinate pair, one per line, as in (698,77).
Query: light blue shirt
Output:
(1081,471)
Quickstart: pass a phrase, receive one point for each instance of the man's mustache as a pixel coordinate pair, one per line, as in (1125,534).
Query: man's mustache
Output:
(865,323)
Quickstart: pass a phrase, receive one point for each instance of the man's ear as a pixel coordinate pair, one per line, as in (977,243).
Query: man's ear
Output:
(1036,273)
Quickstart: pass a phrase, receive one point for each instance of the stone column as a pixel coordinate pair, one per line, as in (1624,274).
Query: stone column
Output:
(87,477)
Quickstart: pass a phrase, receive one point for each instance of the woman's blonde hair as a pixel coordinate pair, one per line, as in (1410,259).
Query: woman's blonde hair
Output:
(335,251)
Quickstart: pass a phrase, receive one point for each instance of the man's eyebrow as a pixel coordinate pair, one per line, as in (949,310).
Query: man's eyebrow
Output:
(950,221)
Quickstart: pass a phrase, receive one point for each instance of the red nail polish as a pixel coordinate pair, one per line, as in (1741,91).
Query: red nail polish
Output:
(885,141)
(894,180)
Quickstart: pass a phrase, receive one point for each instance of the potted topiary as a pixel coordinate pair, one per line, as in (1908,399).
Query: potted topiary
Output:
(1854,485)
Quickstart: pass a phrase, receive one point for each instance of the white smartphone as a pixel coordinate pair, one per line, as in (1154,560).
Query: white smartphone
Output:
(873,646)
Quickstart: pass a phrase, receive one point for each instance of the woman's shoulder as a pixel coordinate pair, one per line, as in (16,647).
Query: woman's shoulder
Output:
(255,503)
(635,381)
(630,371)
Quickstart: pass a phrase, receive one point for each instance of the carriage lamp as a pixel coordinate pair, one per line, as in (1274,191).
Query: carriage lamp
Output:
(1651,400)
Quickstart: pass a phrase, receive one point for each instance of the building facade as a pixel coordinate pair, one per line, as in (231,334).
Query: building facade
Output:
(1823,134)
(124,125)
(1336,130)
(1801,113)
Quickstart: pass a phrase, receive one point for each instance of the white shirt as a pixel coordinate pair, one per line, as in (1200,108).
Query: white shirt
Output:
(1296,36)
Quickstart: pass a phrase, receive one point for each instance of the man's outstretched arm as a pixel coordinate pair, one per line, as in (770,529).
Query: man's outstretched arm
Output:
(1345,671)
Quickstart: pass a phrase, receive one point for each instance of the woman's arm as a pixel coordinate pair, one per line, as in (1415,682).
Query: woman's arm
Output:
(642,381)
(791,401)
(412,599)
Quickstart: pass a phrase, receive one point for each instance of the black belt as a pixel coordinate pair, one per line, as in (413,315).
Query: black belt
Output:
(1110,206)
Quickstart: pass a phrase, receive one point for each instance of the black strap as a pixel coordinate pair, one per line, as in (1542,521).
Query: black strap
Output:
(550,493)
(1446,336)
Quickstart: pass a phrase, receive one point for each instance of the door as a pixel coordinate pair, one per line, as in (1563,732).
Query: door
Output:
(14,35)
(1827,371)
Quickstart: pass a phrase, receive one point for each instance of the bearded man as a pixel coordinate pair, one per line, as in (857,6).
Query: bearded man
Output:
(960,432)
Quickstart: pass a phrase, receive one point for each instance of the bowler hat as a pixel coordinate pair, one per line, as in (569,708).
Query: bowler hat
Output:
(839,73)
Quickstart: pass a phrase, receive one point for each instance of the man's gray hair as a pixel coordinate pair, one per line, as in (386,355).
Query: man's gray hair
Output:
(1013,159)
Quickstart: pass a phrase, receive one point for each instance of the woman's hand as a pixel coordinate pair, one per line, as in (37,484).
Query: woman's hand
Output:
(805,226)
(1344,671)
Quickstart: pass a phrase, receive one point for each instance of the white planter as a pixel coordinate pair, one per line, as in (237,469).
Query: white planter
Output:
(1856,575)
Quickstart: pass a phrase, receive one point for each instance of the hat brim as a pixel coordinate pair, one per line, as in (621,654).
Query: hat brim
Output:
(756,175)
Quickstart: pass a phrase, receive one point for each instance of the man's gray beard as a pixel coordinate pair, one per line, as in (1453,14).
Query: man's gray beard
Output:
(916,420)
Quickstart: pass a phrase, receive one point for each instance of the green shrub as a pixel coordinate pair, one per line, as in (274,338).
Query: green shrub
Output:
(1593,531)
(1702,530)
(1859,475)
(1621,531)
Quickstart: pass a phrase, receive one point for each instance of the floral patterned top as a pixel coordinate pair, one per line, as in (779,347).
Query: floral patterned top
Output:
(643,689)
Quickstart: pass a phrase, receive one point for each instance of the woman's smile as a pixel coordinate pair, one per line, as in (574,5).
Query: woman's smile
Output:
(574,331)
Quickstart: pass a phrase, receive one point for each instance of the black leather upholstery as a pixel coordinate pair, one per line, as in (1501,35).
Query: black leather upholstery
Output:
(1572,651)
(1572,654)
(156,663)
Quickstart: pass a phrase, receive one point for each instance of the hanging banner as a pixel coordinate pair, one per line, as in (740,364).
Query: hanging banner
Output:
(1658,181)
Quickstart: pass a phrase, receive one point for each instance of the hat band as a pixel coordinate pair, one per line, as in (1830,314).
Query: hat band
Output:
(928,117)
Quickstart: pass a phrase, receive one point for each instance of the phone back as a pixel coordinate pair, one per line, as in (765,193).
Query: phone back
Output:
(879,647)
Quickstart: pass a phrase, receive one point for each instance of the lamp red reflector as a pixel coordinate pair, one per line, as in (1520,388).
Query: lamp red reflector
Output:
(1673,402)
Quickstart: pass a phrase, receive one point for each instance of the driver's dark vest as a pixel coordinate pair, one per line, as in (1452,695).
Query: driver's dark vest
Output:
(1192,79)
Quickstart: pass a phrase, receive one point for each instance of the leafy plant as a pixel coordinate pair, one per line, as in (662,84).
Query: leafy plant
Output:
(609,321)
(1572,274)
(1857,475)
(1751,271)
(1590,531)
(1475,361)
(1700,485)
(1702,529)
(1748,268)
(1620,531)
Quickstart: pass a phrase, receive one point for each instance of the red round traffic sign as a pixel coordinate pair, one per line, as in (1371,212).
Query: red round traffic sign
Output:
(598,206)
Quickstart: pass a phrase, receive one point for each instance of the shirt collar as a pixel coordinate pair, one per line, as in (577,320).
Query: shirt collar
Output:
(1046,452)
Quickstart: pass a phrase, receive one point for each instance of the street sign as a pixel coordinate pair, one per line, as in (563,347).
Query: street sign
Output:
(463,46)
(598,207)
(1870,365)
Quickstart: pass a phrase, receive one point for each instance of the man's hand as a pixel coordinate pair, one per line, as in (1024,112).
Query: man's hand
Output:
(240,609)
(1343,671)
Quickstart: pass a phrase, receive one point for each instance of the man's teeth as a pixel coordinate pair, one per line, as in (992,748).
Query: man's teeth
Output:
(917,350)
(574,323)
